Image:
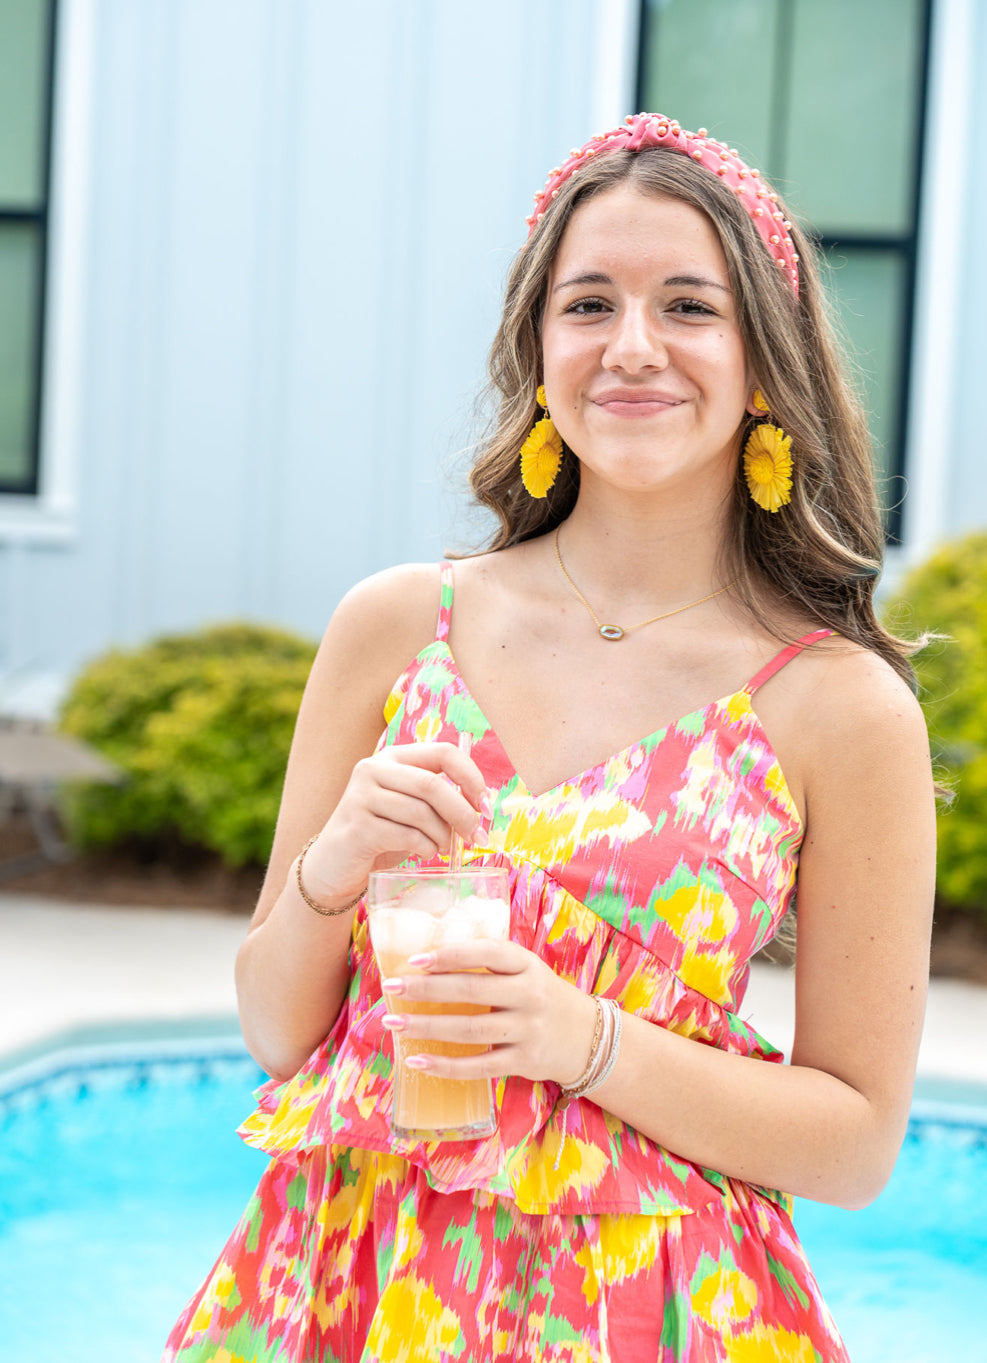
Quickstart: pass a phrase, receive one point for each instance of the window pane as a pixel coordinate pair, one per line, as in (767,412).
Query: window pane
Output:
(23,101)
(854,82)
(20,263)
(869,290)
(699,56)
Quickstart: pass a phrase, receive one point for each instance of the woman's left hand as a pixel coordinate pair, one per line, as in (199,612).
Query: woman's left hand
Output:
(539,1026)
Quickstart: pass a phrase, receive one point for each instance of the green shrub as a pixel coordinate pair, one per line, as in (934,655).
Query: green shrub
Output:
(948,595)
(201,723)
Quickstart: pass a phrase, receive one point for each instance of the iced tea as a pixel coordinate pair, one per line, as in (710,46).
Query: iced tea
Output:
(416,911)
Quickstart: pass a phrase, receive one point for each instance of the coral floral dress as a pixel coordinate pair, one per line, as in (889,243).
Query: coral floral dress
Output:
(568,1237)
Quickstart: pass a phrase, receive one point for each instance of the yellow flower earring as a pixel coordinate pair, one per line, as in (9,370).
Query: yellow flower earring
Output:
(541,453)
(768,461)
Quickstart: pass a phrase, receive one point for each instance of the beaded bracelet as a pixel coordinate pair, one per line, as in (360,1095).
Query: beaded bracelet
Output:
(324,913)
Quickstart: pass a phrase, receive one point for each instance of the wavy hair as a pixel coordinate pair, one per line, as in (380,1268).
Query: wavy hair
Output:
(824,550)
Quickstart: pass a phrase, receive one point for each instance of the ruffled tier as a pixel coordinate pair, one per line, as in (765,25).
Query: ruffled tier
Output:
(546,1159)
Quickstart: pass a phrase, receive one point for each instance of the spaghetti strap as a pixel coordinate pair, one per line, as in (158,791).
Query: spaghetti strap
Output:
(785,656)
(445,601)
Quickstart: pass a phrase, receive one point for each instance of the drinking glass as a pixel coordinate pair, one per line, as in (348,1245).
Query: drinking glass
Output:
(415,910)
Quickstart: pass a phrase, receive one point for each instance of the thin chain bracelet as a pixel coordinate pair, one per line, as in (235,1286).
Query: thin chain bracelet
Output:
(324,913)
(606,1044)
(604,1054)
(574,1090)
(616,1019)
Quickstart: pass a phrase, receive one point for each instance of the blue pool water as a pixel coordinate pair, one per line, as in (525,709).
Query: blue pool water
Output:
(906,1278)
(121,1176)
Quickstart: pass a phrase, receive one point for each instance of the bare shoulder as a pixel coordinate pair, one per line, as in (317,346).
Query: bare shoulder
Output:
(853,691)
(407,593)
(836,709)
(377,629)
(863,742)
(388,618)
(375,632)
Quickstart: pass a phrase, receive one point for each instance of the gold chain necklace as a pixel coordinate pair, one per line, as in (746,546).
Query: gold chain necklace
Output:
(615,632)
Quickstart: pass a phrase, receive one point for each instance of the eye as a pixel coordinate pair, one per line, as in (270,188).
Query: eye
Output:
(586,307)
(692,307)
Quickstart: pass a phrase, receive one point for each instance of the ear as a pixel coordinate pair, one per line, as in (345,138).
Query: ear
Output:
(756,405)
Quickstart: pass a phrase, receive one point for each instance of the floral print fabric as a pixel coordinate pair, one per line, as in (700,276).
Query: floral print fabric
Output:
(651,878)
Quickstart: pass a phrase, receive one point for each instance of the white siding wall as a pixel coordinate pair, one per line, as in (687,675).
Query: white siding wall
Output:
(281,229)
(299,217)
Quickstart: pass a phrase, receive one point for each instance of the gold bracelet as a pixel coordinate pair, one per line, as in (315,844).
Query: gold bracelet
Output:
(609,1060)
(573,1090)
(325,913)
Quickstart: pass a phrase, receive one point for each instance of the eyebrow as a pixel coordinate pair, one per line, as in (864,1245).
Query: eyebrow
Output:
(693,281)
(591,278)
(678,281)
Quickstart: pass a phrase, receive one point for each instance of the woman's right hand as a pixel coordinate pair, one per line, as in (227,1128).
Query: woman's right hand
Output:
(401,802)
(370,809)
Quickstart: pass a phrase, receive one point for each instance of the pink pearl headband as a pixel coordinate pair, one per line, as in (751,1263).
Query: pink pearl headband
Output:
(642,131)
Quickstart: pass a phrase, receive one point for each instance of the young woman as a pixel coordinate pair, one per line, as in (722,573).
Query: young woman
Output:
(687,550)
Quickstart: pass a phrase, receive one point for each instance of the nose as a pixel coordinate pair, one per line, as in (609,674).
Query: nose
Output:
(635,341)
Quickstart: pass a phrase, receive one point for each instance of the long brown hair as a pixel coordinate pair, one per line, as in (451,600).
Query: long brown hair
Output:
(823,551)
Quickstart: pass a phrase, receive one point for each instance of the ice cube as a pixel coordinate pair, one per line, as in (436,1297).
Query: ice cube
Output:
(494,918)
(487,917)
(457,926)
(426,897)
(401,932)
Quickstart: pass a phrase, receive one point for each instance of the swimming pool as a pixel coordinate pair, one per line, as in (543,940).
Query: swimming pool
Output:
(906,1278)
(121,1176)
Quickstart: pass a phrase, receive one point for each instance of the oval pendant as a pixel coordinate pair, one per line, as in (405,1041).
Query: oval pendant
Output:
(611,632)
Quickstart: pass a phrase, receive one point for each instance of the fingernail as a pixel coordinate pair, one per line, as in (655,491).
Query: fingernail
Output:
(422,961)
(486,805)
(417,1062)
(395,986)
(478,830)
(394,1022)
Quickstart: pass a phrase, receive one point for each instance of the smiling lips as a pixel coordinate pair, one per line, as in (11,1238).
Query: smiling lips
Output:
(635,402)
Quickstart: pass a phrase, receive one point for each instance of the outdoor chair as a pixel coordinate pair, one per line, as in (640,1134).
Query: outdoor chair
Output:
(34,762)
